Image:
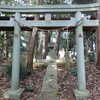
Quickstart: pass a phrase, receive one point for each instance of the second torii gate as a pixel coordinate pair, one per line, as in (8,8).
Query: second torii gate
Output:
(78,22)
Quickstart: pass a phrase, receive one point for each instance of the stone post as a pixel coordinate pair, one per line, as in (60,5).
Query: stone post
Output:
(16,54)
(15,92)
(81,92)
(47,16)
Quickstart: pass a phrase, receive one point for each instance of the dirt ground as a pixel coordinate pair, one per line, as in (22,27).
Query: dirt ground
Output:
(67,83)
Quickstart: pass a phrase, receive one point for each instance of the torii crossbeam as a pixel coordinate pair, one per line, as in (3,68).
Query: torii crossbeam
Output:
(51,8)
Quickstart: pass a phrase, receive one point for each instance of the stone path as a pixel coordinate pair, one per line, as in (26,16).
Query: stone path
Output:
(50,89)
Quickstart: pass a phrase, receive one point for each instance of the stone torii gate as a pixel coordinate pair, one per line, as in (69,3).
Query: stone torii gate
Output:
(78,23)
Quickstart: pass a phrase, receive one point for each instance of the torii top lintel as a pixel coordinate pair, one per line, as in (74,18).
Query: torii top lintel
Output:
(50,8)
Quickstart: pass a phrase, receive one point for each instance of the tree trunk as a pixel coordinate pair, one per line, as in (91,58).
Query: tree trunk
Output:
(43,44)
(31,46)
(47,40)
(98,42)
(7,44)
(58,42)
(35,55)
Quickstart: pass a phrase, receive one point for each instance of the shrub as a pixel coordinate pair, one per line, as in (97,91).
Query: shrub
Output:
(91,57)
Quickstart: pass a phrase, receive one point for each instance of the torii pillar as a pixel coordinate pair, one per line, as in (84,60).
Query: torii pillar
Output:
(98,41)
(15,92)
(81,93)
